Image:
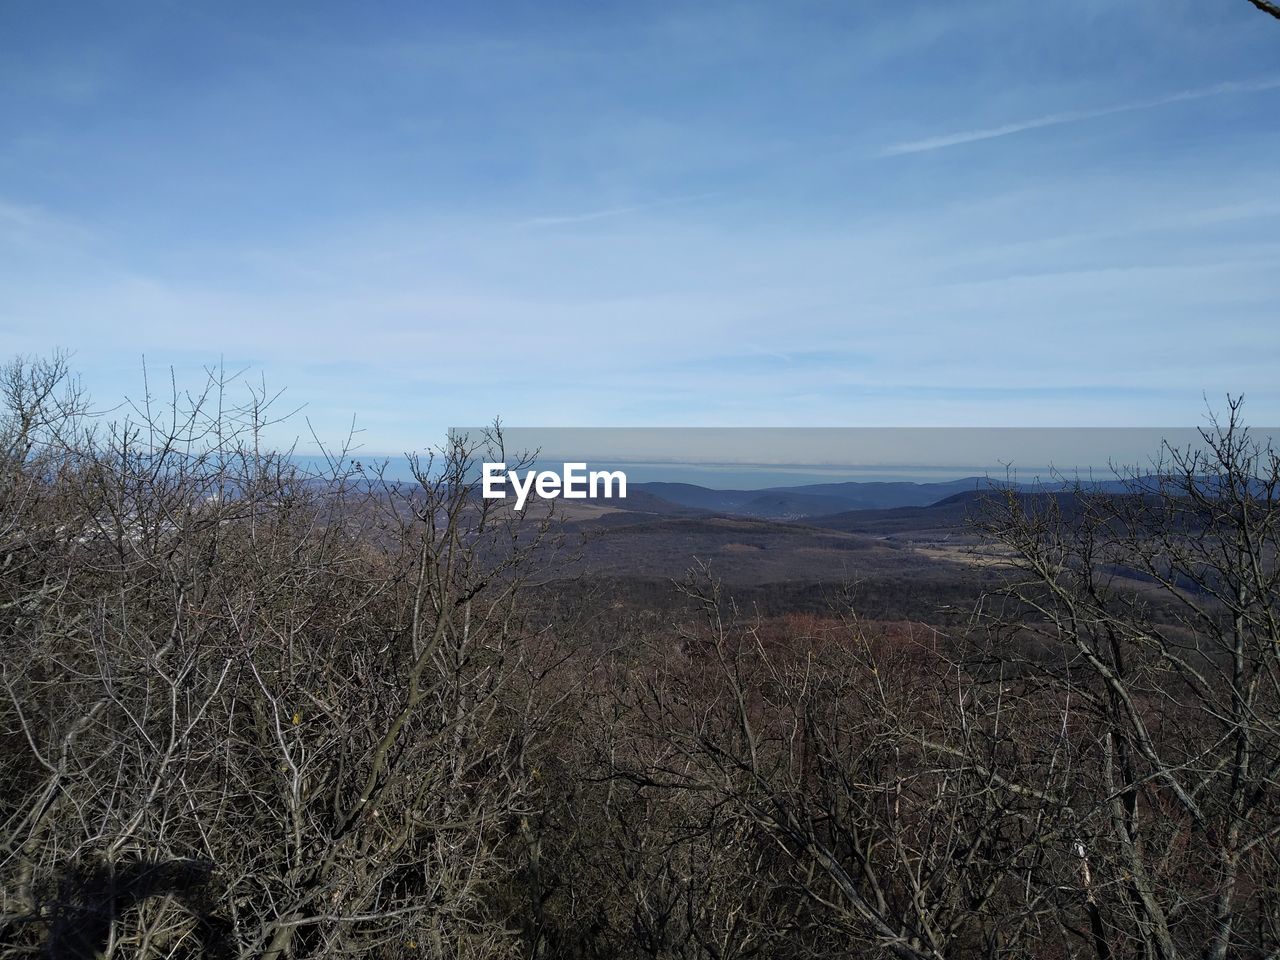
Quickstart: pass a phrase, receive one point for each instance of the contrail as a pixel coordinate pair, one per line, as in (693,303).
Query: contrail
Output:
(551,221)
(1074,116)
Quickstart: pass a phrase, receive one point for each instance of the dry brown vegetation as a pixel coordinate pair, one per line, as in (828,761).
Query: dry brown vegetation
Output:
(250,711)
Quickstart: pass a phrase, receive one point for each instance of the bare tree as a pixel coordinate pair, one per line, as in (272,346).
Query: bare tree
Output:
(1155,611)
(1266,6)
(253,709)
(849,765)
(250,709)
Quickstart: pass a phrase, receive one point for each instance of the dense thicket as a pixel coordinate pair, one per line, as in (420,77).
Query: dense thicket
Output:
(253,711)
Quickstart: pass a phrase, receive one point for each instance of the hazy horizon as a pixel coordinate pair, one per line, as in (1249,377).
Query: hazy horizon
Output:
(762,457)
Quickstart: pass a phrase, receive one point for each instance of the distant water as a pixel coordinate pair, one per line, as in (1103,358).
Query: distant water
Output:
(754,458)
(737,476)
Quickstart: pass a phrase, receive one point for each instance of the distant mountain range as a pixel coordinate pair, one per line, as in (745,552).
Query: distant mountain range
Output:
(826,499)
(809,500)
(905,532)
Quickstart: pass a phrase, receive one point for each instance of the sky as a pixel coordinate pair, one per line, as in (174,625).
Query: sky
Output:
(419,215)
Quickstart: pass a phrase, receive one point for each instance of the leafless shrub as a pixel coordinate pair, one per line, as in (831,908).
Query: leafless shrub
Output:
(212,656)
(249,709)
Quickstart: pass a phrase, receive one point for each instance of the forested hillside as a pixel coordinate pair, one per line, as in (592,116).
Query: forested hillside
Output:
(253,711)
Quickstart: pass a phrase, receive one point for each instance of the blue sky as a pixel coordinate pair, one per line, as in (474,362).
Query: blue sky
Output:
(426,214)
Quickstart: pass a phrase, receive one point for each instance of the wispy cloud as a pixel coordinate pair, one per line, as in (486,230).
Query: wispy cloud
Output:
(1075,116)
(34,228)
(552,221)
(558,219)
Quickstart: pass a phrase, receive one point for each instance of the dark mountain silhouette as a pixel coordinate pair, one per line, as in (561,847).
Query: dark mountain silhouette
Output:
(809,500)
(817,500)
